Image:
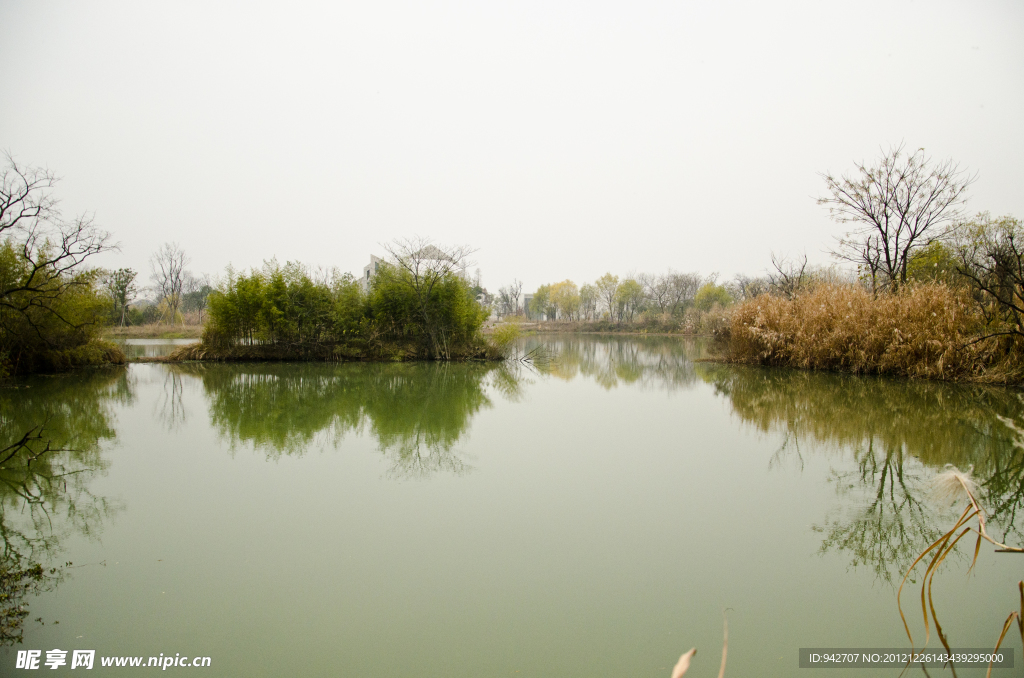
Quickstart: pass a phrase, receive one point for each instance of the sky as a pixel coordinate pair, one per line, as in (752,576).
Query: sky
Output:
(560,139)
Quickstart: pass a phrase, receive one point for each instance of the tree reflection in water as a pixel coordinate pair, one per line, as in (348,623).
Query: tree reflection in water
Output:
(664,363)
(51,430)
(900,434)
(417,412)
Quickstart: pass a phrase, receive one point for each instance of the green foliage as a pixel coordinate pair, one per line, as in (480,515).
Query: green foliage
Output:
(565,297)
(441,319)
(50,305)
(540,305)
(711,294)
(932,263)
(121,289)
(629,298)
(283,305)
(990,257)
(503,339)
(286,312)
(52,323)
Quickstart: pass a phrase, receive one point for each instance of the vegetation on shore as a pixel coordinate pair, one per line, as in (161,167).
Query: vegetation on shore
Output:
(51,308)
(417,312)
(154,331)
(957,315)
(929,330)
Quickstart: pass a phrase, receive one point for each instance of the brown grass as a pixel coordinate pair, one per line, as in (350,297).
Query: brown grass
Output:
(926,331)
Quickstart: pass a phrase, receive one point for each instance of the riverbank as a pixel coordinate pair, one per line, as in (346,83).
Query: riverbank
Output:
(378,352)
(156,331)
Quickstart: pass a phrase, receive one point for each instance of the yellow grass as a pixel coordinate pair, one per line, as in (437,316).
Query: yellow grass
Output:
(926,331)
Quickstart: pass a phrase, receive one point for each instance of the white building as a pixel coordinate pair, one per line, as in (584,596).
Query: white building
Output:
(369,271)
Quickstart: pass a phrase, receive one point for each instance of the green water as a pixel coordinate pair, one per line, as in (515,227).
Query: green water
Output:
(591,516)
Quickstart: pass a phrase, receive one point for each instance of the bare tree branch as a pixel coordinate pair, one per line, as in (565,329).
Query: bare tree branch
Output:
(901,204)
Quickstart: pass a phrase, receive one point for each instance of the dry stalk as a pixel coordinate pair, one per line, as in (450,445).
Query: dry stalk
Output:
(946,544)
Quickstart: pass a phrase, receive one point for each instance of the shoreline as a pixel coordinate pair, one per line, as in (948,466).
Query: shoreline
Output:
(153,332)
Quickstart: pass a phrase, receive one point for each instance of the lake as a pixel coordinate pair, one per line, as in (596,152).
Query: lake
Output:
(596,513)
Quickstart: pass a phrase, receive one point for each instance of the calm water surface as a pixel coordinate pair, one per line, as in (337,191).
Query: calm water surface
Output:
(149,348)
(594,516)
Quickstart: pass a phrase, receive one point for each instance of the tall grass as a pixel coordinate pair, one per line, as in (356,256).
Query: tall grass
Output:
(929,331)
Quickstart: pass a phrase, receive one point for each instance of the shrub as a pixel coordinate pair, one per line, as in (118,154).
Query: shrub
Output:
(928,330)
(503,339)
(282,312)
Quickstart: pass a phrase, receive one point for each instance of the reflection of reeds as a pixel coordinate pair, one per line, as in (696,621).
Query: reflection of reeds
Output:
(683,665)
(956,484)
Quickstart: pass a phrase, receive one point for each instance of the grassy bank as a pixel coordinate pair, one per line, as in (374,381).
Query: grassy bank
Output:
(929,331)
(155,331)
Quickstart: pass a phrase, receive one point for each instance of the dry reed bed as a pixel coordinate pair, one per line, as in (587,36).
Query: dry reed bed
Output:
(925,331)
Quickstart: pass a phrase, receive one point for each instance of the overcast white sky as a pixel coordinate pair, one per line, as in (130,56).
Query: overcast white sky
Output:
(561,139)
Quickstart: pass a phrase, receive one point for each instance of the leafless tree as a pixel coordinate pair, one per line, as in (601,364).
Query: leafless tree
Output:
(789,276)
(902,203)
(427,265)
(682,289)
(588,302)
(169,275)
(748,287)
(46,251)
(658,290)
(508,298)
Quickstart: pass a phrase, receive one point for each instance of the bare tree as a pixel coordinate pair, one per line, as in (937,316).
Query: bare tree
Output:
(169,275)
(789,276)
(426,266)
(508,298)
(683,289)
(588,302)
(748,287)
(658,289)
(44,252)
(902,203)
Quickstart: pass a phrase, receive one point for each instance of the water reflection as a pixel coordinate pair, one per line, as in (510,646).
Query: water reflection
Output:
(51,431)
(899,435)
(416,412)
(648,362)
